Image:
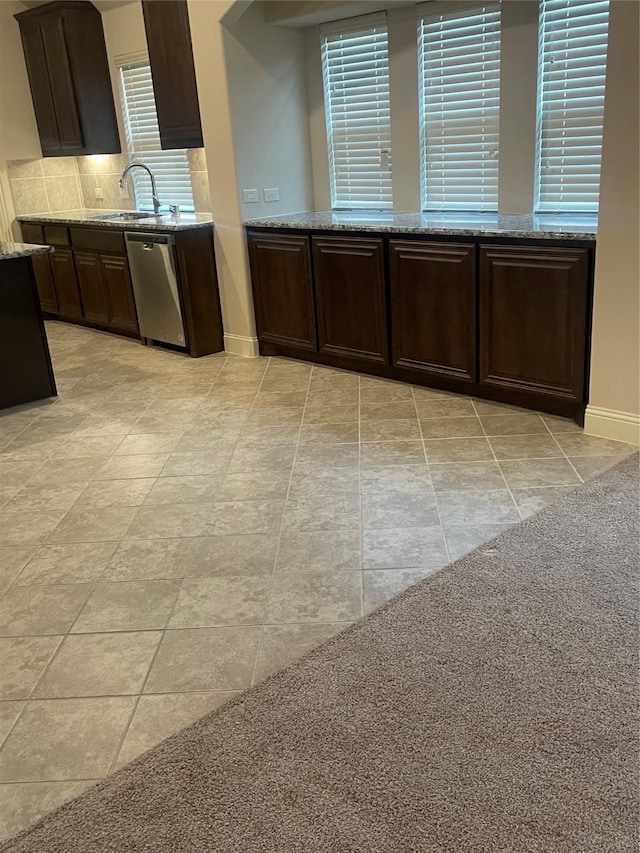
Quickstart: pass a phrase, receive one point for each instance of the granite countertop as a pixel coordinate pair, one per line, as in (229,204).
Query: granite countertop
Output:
(539,226)
(184,222)
(21,250)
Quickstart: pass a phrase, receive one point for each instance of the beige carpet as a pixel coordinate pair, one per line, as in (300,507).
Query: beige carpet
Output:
(493,707)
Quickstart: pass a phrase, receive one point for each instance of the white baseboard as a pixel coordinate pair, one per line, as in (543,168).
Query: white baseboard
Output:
(609,423)
(241,345)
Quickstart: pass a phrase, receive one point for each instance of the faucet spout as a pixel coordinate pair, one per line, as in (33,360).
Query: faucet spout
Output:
(154,191)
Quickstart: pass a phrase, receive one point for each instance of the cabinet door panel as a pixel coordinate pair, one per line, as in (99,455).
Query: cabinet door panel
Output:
(533,319)
(64,99)
(173,71)
(94,298)
(66,283)
(40,88)
(119,291)
(282,289)
(350,295)
(44,283)
(433,307)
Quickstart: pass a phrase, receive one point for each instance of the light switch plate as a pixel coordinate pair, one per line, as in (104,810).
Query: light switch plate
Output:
(249,196)
(271,193)
(99,194)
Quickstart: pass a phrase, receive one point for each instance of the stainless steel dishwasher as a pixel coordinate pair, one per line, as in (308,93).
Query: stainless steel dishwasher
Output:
(155,286)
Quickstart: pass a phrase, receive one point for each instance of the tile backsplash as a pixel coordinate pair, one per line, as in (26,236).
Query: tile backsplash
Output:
(51,184)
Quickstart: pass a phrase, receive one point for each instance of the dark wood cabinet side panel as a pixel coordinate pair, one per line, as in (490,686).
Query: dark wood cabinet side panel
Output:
(533,322)
(62,89)
(173,71)
(118,290)
(25,365)
(40,88)
(351,296)
(66,283)
(283,289)
(91,285)
(433,307)
(198,281)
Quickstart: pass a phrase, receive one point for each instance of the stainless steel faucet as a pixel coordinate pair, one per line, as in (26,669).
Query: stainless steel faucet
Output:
(154,192)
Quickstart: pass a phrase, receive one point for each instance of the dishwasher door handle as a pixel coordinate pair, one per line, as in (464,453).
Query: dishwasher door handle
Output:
(147,247)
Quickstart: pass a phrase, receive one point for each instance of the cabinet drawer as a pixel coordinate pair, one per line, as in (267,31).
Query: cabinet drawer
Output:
(98,240)
(56,235)
(32,233)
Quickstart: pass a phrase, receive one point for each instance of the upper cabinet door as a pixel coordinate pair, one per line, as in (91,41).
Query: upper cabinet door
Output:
(40,88)
(173,72)
(68,70)
(61,84)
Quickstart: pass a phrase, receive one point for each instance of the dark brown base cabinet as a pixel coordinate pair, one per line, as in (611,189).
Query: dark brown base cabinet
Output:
(350,297)
(283,290)
(506,320)
(433,308)
(26,373)
(87,281)
(533,319)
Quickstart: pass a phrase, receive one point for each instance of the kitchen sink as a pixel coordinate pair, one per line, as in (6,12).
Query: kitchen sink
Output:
(125,216)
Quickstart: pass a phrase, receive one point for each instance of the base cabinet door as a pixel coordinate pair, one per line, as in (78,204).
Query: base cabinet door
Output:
(433,307)
(66,284)
(44,283)
(533,319)
(119,292)
(350,297)
(94,297)
(283,289)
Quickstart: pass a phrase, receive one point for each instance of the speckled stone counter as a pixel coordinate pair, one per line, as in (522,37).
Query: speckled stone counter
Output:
(93,218)
(8,251)
(540,227)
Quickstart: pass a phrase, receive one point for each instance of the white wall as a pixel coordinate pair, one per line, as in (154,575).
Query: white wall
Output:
(269,115)
(614,404)
(245,139)
(18,131)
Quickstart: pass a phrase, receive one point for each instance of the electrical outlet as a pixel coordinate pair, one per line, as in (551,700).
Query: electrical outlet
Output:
(271,194)
(249,195)
(99,194)
(124,191)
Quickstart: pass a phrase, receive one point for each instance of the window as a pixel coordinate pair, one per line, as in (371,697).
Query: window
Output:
(573,60)
(355,64)
(459,66)
(171,167)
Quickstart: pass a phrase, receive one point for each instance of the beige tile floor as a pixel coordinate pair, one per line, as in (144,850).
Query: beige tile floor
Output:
(173,530)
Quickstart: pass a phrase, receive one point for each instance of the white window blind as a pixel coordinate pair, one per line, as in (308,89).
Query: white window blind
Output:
(459,66)
(573,63)
(170,167)
(355,63)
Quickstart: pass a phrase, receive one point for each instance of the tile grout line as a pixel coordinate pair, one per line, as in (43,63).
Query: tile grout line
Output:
(435,496)
(578,475)
(493,453)
(281,529)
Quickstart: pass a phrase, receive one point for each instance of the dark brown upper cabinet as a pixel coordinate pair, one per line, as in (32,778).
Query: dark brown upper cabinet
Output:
(69,78)
(174,78)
